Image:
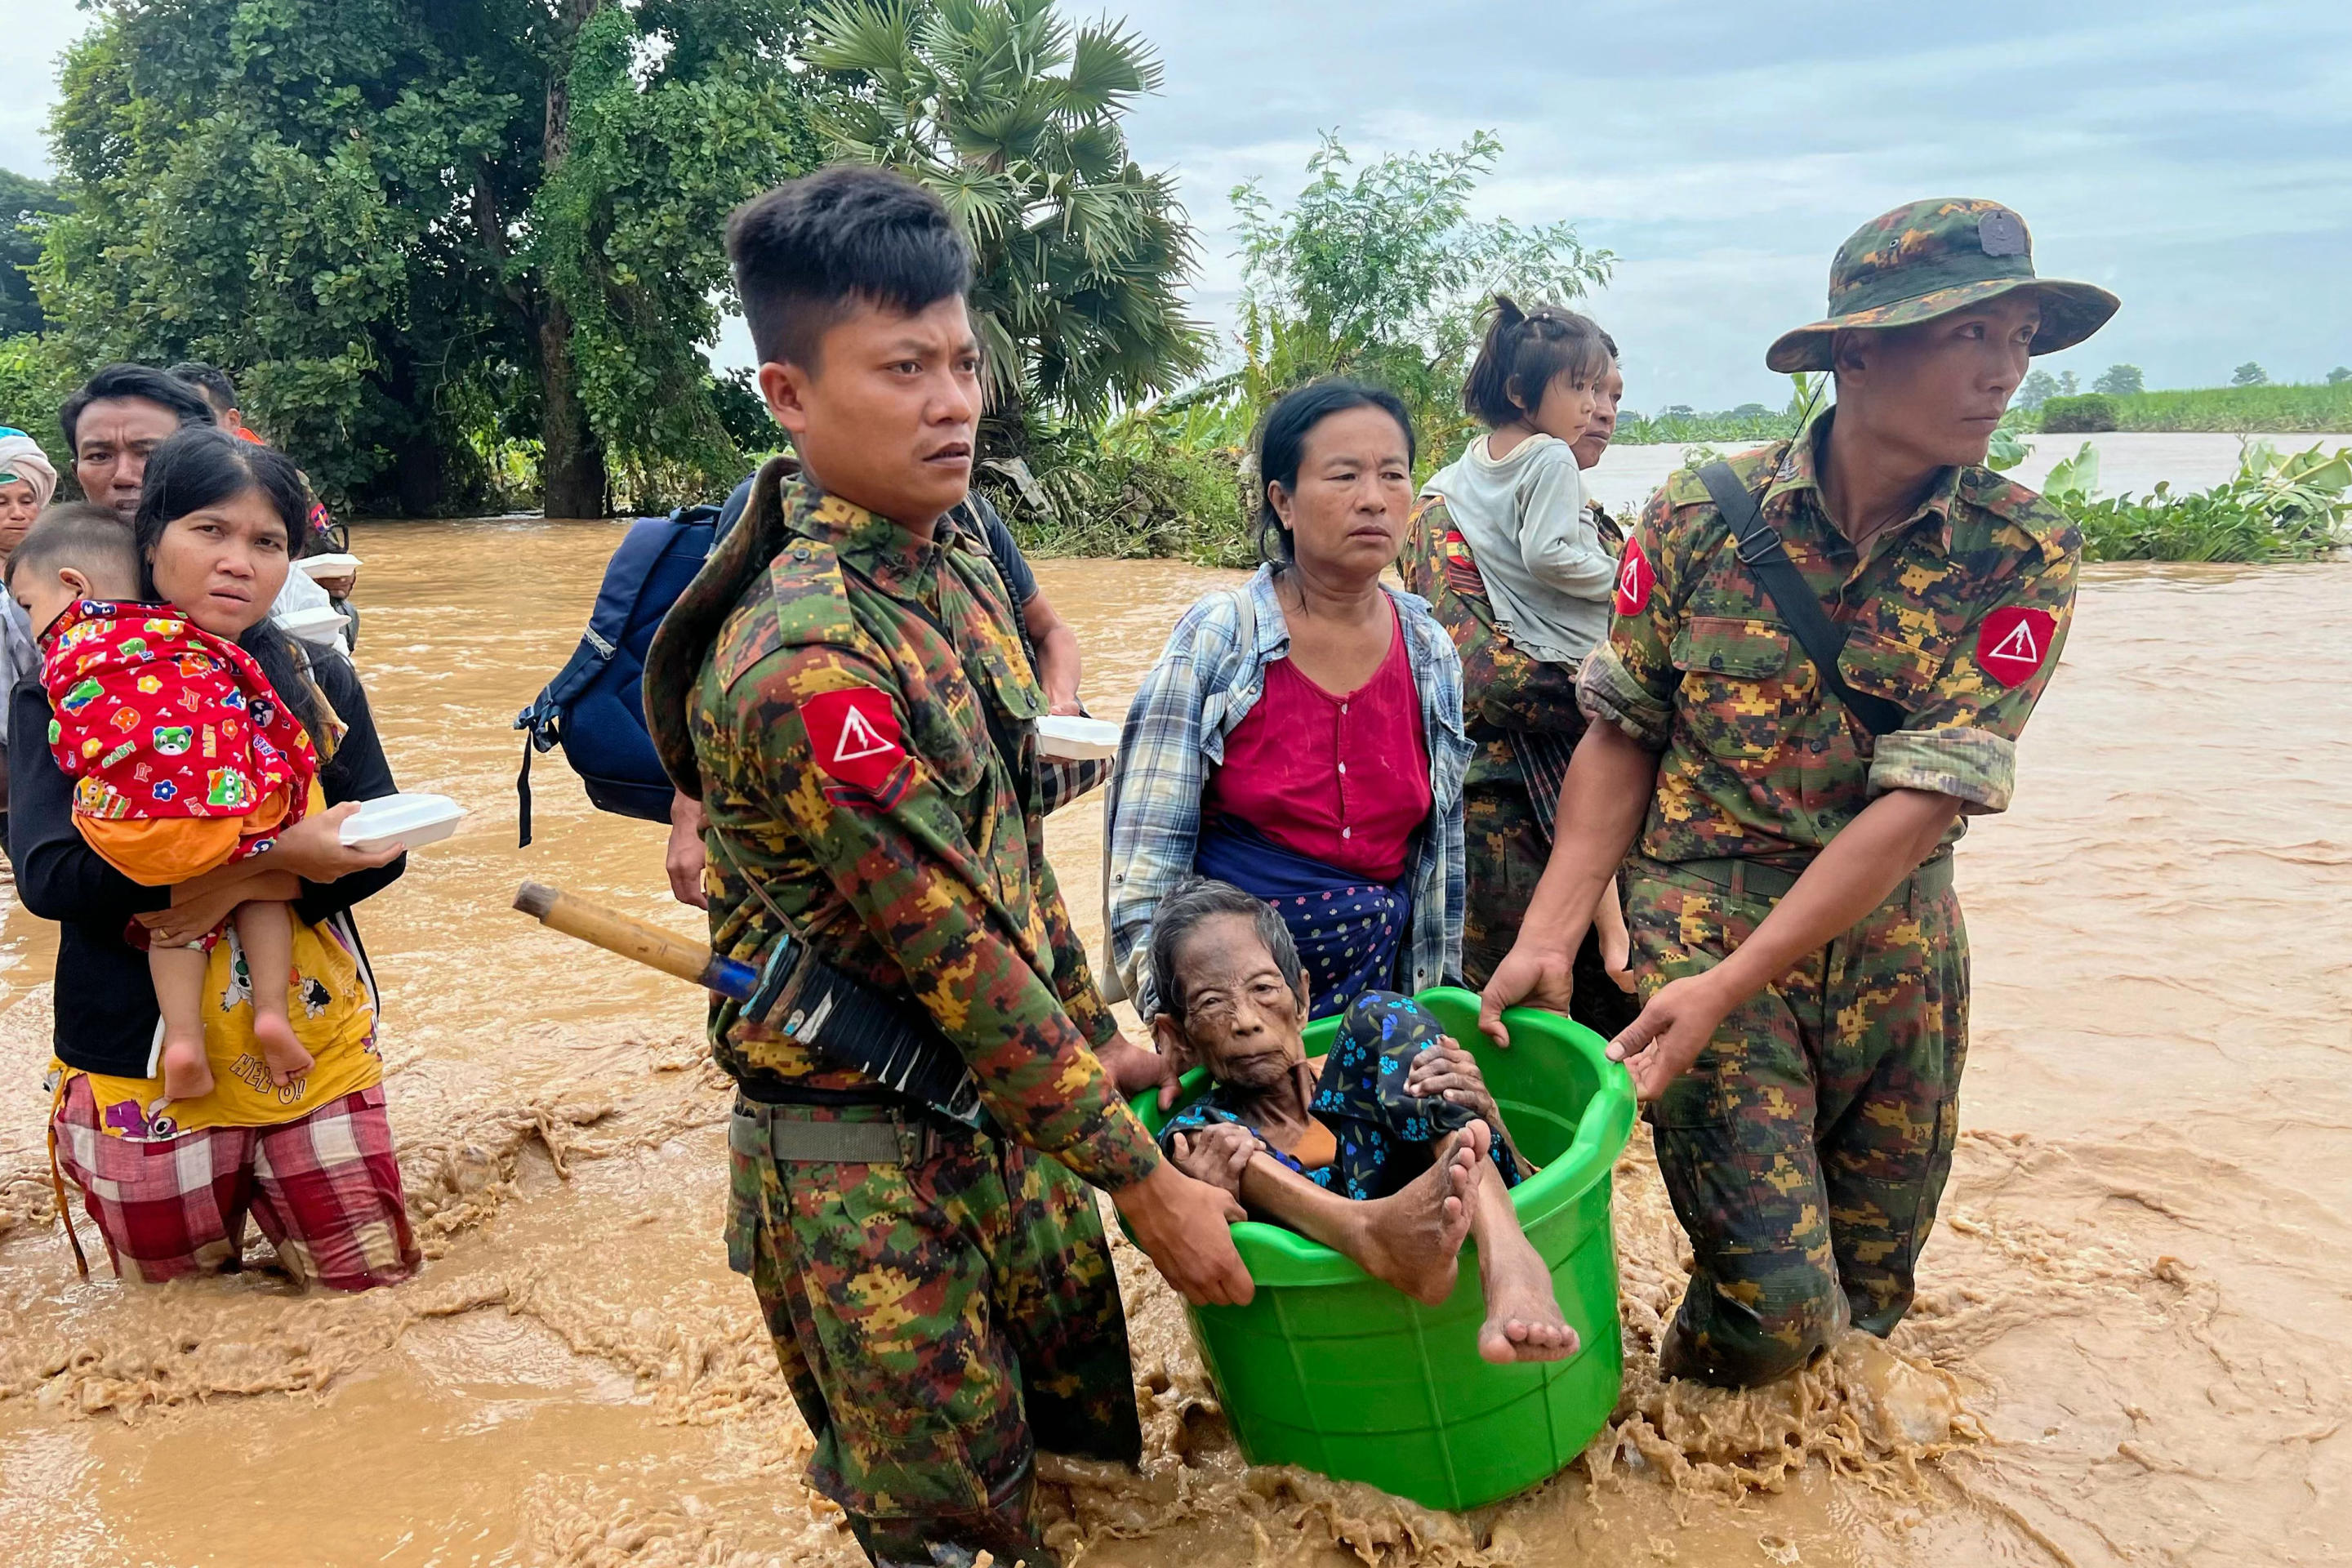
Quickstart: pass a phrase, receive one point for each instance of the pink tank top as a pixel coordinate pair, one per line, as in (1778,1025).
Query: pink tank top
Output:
(1344,779)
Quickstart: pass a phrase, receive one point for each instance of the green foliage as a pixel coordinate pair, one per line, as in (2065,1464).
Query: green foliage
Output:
(2250,374)
(1751,422)
(341,202)
(2007,448)
(1014,118)
(626,234)
(1119,491)
(2093,411)
(2038,387)
(26,206)
(2239,410)
(33,382)
(1379,271)
(2279,507)
(2339,376)
(2120,381)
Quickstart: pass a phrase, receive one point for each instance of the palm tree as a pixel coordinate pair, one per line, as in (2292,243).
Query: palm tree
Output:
(1012,119)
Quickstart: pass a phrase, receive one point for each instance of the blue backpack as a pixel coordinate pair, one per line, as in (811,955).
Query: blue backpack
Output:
(595,709)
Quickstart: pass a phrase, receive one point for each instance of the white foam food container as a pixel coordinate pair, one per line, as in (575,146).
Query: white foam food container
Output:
(323,623)
(408,820)
(1074,738)
(329,565)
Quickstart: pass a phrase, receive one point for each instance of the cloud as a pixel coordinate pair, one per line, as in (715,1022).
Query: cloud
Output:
(2196,158)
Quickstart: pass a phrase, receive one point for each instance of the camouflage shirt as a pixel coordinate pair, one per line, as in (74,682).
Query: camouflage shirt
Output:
(1504,691)
(1956,615)
(862,728)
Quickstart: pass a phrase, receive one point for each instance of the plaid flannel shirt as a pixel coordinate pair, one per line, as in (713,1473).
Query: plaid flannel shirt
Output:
(1204,685)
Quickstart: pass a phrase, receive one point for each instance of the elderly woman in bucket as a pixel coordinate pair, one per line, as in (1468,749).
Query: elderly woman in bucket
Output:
(1390,1154)
(1301,735)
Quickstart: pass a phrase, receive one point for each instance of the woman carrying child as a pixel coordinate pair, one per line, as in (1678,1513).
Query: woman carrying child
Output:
(1301,735)
(305,1149)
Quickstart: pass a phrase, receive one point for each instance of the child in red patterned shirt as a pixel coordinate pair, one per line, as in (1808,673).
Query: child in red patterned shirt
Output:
(184,761)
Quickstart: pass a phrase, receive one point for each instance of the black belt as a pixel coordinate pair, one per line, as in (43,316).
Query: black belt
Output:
(1746,879)
(790,1133)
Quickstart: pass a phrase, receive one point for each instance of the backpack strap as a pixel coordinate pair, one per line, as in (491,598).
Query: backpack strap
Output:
(1761,552)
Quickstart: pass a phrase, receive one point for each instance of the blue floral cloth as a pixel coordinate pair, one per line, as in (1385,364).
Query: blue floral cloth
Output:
(1383,1134)
(1347,930)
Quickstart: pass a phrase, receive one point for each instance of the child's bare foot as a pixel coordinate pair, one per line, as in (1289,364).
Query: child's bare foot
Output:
(1523,1317)
(286,1058)
(1413,1239)
(187,1074)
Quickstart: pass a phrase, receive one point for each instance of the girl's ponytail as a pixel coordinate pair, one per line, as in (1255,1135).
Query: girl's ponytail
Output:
(1487,395)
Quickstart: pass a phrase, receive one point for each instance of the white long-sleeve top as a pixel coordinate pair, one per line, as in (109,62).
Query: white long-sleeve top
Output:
(1547,573)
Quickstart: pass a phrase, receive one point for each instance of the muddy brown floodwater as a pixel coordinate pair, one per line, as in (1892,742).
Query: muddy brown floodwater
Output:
(2131,1344)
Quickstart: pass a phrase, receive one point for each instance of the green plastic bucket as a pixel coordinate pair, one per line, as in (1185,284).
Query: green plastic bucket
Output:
(1332,1371)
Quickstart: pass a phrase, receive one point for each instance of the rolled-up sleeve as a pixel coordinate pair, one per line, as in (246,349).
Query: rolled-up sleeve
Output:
(1962,740)
(1629,681)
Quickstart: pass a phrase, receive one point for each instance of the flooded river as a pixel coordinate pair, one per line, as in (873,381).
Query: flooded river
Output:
(2139,1303)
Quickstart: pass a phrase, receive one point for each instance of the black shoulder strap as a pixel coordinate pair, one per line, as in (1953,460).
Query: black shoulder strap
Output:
(1761,552)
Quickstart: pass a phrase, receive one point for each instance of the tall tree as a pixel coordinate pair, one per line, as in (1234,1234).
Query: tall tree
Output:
(2120,381)
(1380,268)
(1013,117)
(415,230)
(26,206)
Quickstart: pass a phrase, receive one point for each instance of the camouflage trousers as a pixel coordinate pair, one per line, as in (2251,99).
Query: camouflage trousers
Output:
(1806,1149)
(938,1321)
(1505,850)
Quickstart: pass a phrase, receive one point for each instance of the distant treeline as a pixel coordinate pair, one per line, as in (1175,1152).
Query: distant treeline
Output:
(2234,410)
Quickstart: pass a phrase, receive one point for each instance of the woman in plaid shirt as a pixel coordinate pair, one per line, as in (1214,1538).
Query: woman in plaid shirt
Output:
(1301,736)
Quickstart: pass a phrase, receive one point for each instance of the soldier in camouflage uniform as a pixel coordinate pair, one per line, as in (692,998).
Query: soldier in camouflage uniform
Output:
(1803,965)
(847,694)
(1521,716)
(1515,709)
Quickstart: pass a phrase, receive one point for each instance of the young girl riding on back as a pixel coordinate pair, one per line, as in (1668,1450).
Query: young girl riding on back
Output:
(1515,495)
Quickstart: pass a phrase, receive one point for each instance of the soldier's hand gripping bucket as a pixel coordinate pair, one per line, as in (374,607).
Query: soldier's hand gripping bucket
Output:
(1332,1371)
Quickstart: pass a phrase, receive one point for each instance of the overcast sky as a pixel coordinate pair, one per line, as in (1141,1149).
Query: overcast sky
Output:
(2194,158)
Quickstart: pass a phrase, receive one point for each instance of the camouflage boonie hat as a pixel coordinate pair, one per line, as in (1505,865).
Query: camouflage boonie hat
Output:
(1930,259)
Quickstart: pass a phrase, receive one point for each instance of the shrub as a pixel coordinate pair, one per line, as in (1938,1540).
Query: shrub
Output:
(2092,412)
(2279,507)
(1079,496)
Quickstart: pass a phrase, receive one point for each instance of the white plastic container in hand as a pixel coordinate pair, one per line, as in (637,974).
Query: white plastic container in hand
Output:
(323,624)
(1074,738)
(335,565)
(408,820)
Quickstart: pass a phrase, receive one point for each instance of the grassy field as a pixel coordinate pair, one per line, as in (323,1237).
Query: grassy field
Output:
(2240,409)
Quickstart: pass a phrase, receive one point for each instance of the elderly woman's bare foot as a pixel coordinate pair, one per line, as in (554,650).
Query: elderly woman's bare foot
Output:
(1412,1240)
(1523,1317)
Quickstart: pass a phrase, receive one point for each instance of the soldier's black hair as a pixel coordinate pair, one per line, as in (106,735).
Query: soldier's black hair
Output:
(196,468)
(209,379)
(1282,441)
(1525,352)
(1198,898)
(809,252)
(78,533)
(141,380)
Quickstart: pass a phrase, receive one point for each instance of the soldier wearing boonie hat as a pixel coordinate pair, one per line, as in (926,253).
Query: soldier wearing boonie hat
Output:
(1823,656)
